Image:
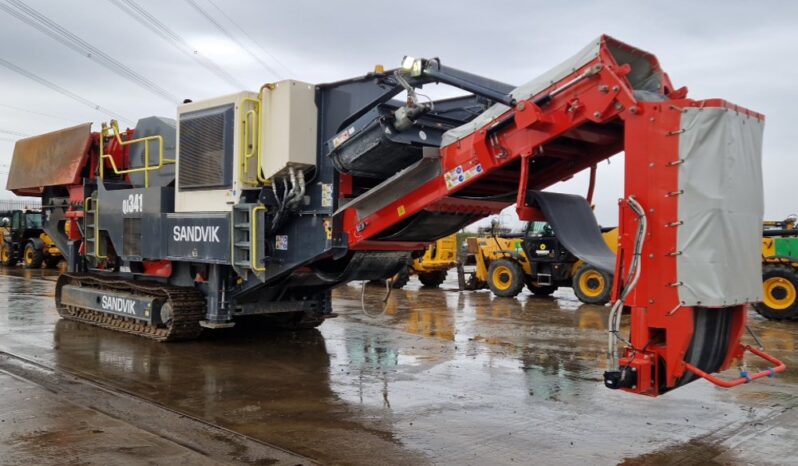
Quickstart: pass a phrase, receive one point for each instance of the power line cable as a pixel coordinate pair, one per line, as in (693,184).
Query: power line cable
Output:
(14,133)
(51,28)
(61,90)
(230,36)
(251,39)
(146,19)
(34,112)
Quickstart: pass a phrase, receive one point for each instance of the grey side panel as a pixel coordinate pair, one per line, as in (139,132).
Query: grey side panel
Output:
(575,226)
(721,207)
(131,217)
(198,237)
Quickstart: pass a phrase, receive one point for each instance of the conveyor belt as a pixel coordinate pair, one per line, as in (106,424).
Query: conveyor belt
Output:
(712,328)
(575,226)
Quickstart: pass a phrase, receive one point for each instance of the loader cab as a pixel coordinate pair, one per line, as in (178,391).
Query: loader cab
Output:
(541,244)
(19,225)
(33,220)
(550,262)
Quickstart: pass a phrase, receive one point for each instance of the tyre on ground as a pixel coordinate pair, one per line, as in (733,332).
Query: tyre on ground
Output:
(401,278)
(7,255)
(52,262)
(780,290)
(591,285)
(542,291)
(398,281)
(505,278)
(432,279)
(32,258)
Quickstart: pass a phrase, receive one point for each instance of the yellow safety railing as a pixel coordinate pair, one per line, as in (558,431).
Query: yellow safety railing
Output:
(147,168)
(96,222)
(251,129)
(253,257)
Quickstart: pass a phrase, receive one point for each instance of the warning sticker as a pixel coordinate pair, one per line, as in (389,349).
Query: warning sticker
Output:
(459,175)
(281,242)
(343,136)
(326,195)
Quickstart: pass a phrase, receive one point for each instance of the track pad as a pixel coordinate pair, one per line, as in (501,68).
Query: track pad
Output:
(575,226)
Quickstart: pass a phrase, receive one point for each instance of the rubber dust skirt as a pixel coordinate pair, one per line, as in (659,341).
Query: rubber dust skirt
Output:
(575,226)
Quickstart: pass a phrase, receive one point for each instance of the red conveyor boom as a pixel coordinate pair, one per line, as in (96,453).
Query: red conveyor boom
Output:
(616,98)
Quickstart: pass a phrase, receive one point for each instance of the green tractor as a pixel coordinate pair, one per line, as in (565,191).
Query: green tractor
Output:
(23,239)
(779,270)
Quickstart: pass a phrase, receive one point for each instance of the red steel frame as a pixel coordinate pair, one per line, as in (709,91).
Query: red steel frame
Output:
(661,329)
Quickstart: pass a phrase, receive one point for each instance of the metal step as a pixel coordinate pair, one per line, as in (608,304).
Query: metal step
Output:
(243,239)
(89,228)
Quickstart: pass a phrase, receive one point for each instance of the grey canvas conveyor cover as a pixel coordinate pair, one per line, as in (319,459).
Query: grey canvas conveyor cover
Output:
(575,226)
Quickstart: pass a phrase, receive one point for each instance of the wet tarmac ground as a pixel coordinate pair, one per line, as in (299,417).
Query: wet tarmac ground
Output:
(440,377)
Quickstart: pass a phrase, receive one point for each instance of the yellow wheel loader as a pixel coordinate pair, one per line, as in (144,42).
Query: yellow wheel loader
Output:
(505,264)
(431,268)
(23,239)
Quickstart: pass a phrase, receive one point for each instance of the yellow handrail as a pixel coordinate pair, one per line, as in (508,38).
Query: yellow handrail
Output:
(253,239)
(146,140)
(96,213)
(252,117)
(247,151)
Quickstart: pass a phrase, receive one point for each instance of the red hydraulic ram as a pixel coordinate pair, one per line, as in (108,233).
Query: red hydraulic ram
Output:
(688,260)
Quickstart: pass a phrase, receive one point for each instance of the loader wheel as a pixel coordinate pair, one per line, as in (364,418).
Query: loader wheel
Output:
(505,278)
(7,256)
(780,288)
(432,279)
(398,281)
(52,262)
(401,278)
(542,291)
(591,285)
(32,258)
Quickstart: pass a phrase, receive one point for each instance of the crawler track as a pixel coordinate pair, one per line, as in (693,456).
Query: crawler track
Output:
(188,307)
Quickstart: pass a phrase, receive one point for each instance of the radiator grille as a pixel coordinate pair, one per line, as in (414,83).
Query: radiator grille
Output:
(206,148)
(131,237)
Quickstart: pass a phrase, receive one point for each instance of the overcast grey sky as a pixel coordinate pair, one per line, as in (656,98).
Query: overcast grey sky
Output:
(744,52)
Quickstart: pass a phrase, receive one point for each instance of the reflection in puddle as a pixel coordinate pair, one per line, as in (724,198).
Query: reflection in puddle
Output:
(451,376)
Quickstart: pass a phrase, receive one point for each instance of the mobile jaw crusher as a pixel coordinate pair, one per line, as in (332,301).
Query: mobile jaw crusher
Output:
(261,203)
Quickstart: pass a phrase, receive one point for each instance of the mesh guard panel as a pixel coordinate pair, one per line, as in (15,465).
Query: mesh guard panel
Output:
(206,148)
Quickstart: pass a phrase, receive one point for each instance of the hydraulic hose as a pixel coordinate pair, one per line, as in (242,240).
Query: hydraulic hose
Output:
(631,280)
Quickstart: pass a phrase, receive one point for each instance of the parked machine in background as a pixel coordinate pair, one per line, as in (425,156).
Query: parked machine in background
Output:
(779,270)
(24,239)
(432,267)
(259,203)
(537,259)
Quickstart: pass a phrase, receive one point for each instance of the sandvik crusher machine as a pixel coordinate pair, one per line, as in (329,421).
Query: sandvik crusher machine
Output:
(256,205)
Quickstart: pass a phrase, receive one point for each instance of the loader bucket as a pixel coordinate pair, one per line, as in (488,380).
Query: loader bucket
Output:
(51,159)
